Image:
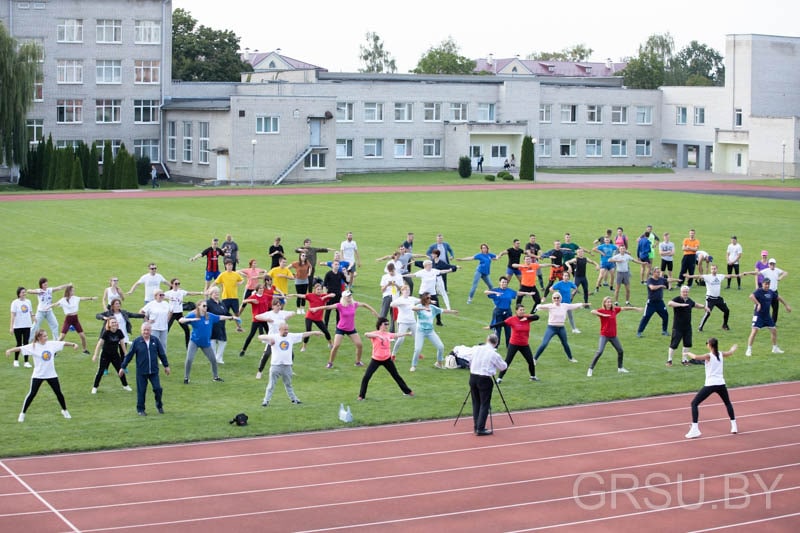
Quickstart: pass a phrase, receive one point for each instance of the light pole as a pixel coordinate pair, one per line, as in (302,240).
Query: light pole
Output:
(253,164)
(783,161)
(534,141)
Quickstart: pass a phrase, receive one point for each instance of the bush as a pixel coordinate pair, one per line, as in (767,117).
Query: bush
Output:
(527,159)
(489,177)
(465,166)
(503,175)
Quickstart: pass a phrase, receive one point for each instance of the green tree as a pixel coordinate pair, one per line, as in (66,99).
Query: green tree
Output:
(375,57)
(526,159)
(200,53)
(107,177)
(700,65)
(76,174)
(644,72)
(19,69)
(578,52)
(444,59)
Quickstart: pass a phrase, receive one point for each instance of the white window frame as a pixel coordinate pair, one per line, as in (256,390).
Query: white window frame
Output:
(108,31)
(147,72)
(619,114)
(569,113)
(70,31)
(681,115)
(344,111)
(572,147)
(700,116)
(69,71)
(116,144)
(69,111)
(403,148)
(268,124)
(594,147)
(146,111)
(35,131)
(432,112)
(203,143)
(458,111)
(108,111)
(314,161)
(147,148)
(187,144)
(545,148)
(72,144)
(403,111)
(594,114)
(498,151)
(373,148)
(38,88)
(644,148)
(738,117)
(619,148)
(344,148)
(172,140)
(545,113)
(373,111)
(486,112)
(644,115)
(431,148)
(108,71)
(147,32)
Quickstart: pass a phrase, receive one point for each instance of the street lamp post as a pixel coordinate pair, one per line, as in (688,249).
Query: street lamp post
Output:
(534,141)
(783,161)
(253,164)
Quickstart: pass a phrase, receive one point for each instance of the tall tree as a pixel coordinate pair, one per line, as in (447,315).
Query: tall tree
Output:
(200,53)
(644,72)
(700,65)
(526,159)
(19,68)
(578,52)
(375,57)
(444,59)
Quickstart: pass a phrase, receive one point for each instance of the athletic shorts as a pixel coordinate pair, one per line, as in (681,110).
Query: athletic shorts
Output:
(71,320)
(763,322)
(346,332)
(623,278)
(211,276)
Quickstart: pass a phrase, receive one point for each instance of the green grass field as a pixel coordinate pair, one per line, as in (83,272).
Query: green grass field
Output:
(86,242)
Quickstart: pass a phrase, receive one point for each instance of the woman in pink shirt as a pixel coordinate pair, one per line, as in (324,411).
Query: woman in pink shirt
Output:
(382,356)
(557,314)
(346,326)
(253,276)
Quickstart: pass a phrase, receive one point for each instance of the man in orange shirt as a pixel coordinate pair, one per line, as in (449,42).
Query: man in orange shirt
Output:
(689,260)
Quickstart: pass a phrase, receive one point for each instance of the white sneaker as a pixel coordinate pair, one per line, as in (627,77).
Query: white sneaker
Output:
(220,362)
(66,414)
(16,363)
(27,365)
(21,417)
(94,390)
(749,351)
(622,370)
(258,375)
(693,433)
(775,349)
(589,373)
(299,311)
(734,427)
(576,330)
(127,388)
(412,369)
(573,360)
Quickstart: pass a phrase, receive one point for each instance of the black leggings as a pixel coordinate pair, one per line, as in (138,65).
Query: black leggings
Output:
(322,327)
(114,360)
(707,391)
(390,367)
(525,350)
(184,327)
(256,326)
(22,336)
(35,384)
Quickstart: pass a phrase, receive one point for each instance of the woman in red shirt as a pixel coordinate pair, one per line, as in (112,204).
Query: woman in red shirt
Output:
(382,356)
(608,332)
(316,298)
(520,325)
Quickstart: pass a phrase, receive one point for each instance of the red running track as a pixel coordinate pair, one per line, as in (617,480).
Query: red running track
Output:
(617,466)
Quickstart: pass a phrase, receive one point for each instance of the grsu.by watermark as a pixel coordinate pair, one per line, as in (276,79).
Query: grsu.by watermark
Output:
(656,491)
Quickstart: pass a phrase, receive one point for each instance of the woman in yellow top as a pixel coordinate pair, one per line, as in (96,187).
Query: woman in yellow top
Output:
(230,281)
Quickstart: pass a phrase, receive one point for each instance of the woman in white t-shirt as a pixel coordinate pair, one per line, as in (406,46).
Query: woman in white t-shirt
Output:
(21,322)
(157,313)
(43,353)
(70,304)
(715,383)
(405,316)
(175,297)
(112,292)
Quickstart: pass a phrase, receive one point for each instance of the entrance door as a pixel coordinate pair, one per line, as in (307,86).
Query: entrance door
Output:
(316,132)
(498,155)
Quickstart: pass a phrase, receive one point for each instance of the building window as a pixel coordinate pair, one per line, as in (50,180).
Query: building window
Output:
(568,147)
(70,31)
(147,32)
(643,148)
(187,142)
(100,144)
(172,141)
(545,147)
(680,115)
(268,124)
(431,148)
(38,88)
(344,148)
(108,111)
(619,114)
(644,115)
(373,111)
(594,148)
(699,116)
(545,113)
(204,146)
(109,31)
(458,111)
(108,71)
(344,111)
(146,71)
(569,113)
(69,71)
(402,148)
(314,160)
(69,111)
(147,148)
(737,117)
(71,144)
(35,127)
(403,112)
(373,147)
(146,111)
(485,112)
(739,160)
(619,148)
(594,114)
(432,112)
(498,151)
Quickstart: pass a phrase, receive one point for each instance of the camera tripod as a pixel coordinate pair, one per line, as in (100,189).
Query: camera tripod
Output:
(491,421)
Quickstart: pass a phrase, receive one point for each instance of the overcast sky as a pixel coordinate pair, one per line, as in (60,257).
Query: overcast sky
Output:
(329,34)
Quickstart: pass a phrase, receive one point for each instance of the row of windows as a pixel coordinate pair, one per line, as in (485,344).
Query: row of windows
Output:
(593,148)
(107,111)
(401,148)
(187,141)
(682,112)
(594,114)
(141,147)
(109,31)
(405,112)
(108,71)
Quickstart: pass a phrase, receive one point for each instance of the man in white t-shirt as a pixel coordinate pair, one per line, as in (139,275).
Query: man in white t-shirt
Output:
(733,254)
(713,283)
(349,252)
(281,368)
(274,318)
(151,281)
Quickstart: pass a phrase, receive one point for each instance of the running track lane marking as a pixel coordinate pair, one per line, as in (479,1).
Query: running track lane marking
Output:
(39,497)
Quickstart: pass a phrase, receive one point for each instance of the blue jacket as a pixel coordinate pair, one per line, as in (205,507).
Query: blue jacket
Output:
(147,355)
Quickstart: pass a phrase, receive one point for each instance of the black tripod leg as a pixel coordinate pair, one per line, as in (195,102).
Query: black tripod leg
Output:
(469,393)
(504,402)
